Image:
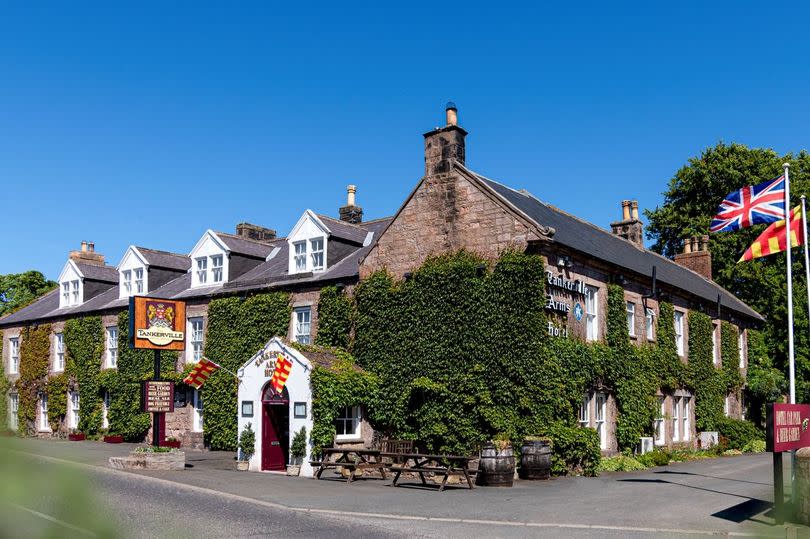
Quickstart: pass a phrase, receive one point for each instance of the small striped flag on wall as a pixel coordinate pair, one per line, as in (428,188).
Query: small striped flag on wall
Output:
(774,240)
(200,373)
(282,372)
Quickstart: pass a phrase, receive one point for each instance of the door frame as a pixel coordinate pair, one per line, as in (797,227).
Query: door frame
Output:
(276,407)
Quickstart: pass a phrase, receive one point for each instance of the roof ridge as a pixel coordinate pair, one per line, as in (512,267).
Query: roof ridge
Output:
(238,237)
(340,221)
(160,251)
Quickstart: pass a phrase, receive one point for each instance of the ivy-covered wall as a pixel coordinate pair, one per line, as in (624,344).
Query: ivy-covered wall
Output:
(237,329)
(84,342)
(4,387)
(35,349)
(334,318)
(704,380)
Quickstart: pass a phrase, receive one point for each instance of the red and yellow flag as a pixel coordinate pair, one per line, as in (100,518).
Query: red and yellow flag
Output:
(773,239)
(200,373)
(282,372)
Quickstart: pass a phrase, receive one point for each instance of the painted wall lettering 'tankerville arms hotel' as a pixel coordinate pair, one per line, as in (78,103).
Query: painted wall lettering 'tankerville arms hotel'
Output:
(450,208)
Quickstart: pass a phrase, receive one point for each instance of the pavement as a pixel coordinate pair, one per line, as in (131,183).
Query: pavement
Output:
(729,496)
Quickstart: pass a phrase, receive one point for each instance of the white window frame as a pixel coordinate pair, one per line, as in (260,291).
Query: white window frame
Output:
(14,355)
(316,256)
(74,284)
(201,267)
(649,324)
(112,346)
(716,344)
(139,287)
(600,418)
(197,423)
(302,329)
(741,347)
(631,318)
(196,339)
(58,352)
(584,418)
(217,268)
(300,255)
(659,425)
(105,410)
(73,409)
(13,411)
(350,415)
(687,426)
(726,406)
(126,282)
(678,321)
(592,313)
(66,293)
(44,424)
(676,419)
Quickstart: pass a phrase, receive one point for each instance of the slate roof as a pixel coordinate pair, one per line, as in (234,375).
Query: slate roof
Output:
(93,272)
(598,243)
(244,246)
(354,233)
(165,259)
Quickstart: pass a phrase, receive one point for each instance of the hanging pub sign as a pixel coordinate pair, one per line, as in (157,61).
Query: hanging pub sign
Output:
(787,427)
(157,324)
(158,396)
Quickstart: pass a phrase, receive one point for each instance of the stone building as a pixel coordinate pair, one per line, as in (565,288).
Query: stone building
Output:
(450,208)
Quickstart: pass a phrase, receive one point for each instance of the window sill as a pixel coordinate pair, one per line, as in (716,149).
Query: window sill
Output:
(352,440)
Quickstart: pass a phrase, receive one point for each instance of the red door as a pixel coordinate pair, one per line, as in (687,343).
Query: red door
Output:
(273,450)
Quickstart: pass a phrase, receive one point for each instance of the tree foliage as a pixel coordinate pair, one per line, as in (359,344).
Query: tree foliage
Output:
(691,200)
(19,289)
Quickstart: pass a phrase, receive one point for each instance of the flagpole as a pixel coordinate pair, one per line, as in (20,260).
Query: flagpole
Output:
(791,360)
(806,253)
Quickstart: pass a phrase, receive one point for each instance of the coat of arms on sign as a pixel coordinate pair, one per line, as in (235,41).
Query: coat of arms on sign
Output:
(160,323)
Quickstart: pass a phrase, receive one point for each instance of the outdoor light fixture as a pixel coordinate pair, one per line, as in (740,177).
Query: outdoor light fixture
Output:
(407,275)
(564,261)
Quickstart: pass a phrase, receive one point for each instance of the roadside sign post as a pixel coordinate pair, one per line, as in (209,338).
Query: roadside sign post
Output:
(787,428)
(157,324)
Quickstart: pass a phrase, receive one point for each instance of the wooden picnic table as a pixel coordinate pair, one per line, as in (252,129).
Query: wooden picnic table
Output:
(444,465)
(351,459)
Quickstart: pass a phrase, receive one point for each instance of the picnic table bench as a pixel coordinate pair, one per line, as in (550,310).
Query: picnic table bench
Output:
(443,465)
(350,459)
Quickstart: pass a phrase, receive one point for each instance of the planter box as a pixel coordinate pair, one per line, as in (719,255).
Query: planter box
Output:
(293,470)
(114,439)
(175,460)
(170,443)
(78,437)
(242,465)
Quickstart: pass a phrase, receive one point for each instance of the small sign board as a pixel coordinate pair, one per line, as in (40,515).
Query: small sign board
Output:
(157,324)
(158,396)
(787,427)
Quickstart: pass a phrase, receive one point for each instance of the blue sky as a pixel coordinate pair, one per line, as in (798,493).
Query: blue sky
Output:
(149,123)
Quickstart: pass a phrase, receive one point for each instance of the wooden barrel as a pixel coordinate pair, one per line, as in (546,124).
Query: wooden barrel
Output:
(535,460)
(496,468)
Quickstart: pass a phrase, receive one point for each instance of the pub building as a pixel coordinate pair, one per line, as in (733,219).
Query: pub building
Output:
(450,208)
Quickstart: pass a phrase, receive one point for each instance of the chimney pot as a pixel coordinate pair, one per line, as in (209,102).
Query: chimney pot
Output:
(625,210)
(452,113)
(350,191)
(687,246)
(634,208)
(91,246)
(84,246)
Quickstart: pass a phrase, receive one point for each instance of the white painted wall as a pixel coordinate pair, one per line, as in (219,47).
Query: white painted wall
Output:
(307,227)
(208,246)
(252,381)
(69,274)
(132,260)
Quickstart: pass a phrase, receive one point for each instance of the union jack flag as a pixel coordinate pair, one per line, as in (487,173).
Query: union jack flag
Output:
(751,205)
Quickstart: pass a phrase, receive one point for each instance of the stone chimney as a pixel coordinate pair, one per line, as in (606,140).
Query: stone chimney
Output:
(255,232)
(351,212)
(696,255)
(630,227)
(445,144)
(87,254)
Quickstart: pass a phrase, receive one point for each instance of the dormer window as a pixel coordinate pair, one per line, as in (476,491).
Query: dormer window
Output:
(300,255)
(216,268)
(139,281)
(202,270)
(74,285)
(316,248)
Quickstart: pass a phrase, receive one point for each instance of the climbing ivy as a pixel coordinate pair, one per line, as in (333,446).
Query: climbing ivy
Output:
(334,318)
(335,387)
(4,387)
(35,347)
(84,342)
(704,379)
(237,329)
(669,365)
(56,387)
(730,354)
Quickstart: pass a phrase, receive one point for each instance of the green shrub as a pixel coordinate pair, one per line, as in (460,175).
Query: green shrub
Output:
(738,433)
(247,443)
(754,446)
(620,463)
(654,458)
(575,451)
(298,447)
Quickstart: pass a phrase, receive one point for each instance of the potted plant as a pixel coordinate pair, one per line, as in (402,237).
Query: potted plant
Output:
(171,441)
(113,438)
(76,436)
(298,450)
(497,465)
(247,446)
(535,458)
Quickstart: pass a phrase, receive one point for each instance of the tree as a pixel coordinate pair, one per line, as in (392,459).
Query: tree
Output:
(19,289)
(692,198)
